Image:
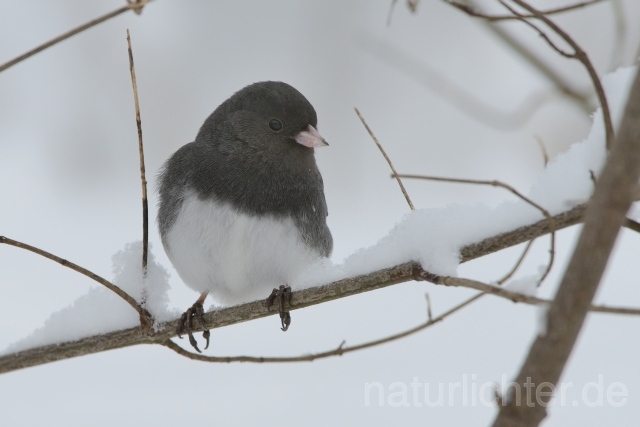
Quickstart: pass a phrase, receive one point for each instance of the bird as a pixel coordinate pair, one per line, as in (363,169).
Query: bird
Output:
(242,209)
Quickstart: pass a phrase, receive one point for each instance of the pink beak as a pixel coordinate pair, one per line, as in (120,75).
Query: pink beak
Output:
(310,138)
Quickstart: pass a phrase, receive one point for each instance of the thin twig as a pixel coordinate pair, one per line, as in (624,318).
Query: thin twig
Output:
(122,294)
(518,263)
(543,149)
(507,187)
(631,225)
(429,314)
(395,174)
(315,356)
(501,292)
(541,33)
(581,98)
(143,179)
(137,7)
(469,10)
(578,54)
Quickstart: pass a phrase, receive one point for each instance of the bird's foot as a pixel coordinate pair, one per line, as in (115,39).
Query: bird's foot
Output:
(186,323)
(281,294)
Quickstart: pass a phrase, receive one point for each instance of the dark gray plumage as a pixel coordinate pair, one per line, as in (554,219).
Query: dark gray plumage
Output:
(245,201)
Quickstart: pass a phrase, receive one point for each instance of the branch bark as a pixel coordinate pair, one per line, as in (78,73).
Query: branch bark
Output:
(604,217)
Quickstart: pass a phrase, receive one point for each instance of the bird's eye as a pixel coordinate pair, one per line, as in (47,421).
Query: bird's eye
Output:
(275,125)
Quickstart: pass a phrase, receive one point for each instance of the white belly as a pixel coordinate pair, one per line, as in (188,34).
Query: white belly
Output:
(236,257)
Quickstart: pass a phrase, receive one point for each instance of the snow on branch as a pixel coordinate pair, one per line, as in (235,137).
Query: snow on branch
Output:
(303,298)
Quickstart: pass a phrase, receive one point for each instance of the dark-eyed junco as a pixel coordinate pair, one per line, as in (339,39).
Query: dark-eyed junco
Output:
(242,208)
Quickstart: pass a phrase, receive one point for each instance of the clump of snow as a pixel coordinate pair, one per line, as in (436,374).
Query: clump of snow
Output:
(150,289)
(434,237)
(100,310)
(566,182)
(526,285)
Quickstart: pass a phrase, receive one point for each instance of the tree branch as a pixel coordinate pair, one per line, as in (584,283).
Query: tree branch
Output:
(255,310)
(604,217)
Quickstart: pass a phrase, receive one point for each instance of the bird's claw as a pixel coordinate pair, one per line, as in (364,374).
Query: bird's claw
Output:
(285,320)
(186,324)
(206,334)
(281,294)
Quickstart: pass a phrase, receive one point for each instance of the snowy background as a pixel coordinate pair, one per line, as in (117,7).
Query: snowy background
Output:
(69,184)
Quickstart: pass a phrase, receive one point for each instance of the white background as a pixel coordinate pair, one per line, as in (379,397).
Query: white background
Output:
(69,183)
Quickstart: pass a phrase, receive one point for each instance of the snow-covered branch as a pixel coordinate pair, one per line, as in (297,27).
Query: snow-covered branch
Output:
(301,299)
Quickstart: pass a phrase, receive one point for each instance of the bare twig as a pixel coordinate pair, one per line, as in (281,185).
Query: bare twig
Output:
(135,6)
(543,149)
(429,315)
(580,98)
(339,351)
(395,174)
(515,296)
(604,217)
(469,10)
(631,225)
(578,53)
(255,310)
(494,183)
(143,179)
(515,267)
(75,267)
(541,33)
